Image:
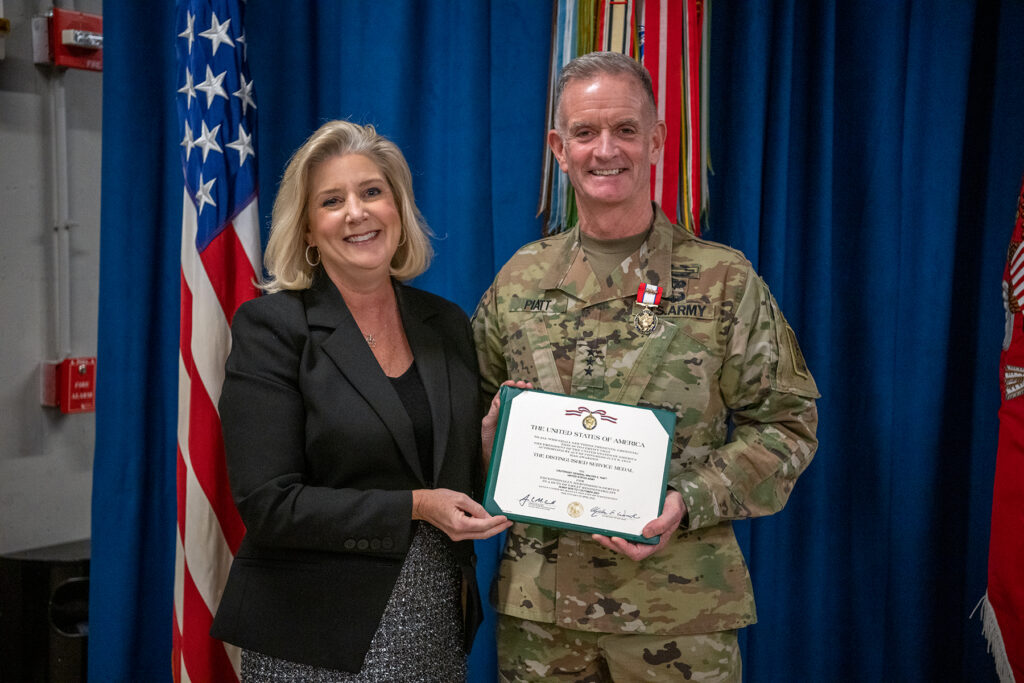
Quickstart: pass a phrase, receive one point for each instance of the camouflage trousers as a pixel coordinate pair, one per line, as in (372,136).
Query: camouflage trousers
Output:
(535,651)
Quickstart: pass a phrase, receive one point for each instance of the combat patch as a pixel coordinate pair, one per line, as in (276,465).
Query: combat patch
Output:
(517,304)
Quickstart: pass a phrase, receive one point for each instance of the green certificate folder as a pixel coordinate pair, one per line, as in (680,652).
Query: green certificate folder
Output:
(573,463)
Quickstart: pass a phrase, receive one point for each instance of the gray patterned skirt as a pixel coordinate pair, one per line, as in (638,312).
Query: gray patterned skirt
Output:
(420,636)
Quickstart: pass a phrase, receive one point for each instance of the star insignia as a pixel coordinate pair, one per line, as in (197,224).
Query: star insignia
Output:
(244,93)
(207,140)
(189,32)
(189,89)
(243,145)
(203,194)
(245,46)
(218,33)
(188,143)
(213,86)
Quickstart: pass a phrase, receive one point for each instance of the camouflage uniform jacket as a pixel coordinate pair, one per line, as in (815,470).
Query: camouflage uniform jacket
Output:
(721,349)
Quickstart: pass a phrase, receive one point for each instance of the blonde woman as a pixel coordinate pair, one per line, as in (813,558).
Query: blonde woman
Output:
(351,425)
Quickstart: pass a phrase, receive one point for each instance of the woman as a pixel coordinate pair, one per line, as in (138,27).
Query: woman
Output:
(351,428)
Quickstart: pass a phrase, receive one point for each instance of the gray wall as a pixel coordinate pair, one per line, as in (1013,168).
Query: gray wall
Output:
(45,456)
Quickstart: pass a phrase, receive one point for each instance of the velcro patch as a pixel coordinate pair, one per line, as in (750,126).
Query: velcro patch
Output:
(689,309)
(687,271)
(681,274)
(541,305)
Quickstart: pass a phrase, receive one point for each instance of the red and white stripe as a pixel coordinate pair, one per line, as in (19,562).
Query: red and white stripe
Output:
(694,18)
(663,57)
(648,295)
(1016,277)
(213,284)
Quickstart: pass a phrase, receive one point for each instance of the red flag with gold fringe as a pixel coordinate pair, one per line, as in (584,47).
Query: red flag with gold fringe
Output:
(1003,605)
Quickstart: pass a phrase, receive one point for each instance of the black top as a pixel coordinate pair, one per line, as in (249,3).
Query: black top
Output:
(413,394)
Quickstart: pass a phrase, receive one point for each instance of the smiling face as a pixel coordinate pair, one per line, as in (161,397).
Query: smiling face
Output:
(353,219)
(607,139)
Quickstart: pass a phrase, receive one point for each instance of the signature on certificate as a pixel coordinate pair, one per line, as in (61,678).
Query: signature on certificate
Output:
(537,501)
(613,514)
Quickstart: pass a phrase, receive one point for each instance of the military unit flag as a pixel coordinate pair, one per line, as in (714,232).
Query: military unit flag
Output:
(1003,604)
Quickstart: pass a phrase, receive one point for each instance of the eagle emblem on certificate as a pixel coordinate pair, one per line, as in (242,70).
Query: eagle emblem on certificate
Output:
(577,463)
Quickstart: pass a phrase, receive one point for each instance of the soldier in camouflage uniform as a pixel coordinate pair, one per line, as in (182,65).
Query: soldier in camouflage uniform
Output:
(560,314)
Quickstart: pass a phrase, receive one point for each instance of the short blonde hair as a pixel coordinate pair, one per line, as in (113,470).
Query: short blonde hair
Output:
(285,257)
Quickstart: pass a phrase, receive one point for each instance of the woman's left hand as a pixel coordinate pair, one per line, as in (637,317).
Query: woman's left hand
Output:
(456,514)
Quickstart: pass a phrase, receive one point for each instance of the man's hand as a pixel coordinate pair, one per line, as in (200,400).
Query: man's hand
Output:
(489,425)
(666,524)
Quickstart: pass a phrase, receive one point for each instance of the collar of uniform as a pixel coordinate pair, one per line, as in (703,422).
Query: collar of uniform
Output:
(655,265)
(651,264)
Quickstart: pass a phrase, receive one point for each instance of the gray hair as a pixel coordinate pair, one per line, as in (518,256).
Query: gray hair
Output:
(285,259)
(593,64)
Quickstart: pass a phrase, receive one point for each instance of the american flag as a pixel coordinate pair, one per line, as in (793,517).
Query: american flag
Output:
(220,259)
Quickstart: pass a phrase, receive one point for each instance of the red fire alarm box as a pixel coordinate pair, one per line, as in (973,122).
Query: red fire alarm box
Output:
(76,40)
(70,385)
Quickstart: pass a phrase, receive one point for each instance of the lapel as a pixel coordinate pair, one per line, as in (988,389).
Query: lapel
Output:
(345,346)
(428,350)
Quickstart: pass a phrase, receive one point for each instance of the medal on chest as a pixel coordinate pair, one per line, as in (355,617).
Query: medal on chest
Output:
(646,321)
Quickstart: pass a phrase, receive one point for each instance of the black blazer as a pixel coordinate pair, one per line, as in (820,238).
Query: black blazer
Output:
(322,460)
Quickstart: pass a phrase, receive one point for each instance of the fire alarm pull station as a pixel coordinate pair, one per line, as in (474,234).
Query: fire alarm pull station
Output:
(69,39)
(70,385)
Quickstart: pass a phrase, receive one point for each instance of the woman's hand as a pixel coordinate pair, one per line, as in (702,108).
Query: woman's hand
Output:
(489,425)
(456,514)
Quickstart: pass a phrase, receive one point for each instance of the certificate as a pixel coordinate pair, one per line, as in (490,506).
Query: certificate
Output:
(573,463)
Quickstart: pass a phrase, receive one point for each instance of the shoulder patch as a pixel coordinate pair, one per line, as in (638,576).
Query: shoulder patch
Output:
(792,373)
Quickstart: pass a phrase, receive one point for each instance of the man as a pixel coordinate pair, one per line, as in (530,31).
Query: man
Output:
(563,315)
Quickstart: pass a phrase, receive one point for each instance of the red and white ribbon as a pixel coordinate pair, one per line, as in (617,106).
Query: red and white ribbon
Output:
(648,295)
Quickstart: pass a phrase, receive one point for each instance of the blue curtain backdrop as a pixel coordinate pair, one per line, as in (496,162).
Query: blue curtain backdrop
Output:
(866,158)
